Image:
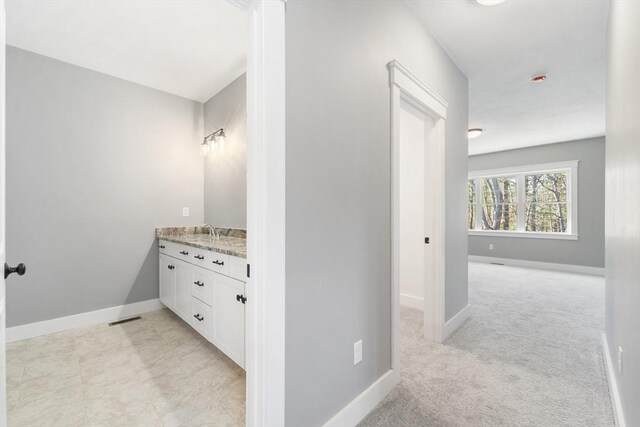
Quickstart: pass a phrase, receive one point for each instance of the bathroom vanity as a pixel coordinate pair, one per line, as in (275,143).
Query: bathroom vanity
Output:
(202,280)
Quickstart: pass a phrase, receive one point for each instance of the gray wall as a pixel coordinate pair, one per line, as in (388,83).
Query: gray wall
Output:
(225,168)
(94,164)
(338,195)
(588,250)
(622,232)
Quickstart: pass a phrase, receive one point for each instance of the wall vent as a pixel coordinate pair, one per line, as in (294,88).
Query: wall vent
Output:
(120,322)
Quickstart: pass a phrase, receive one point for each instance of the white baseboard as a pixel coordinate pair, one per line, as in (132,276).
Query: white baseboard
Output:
(582,269)
(455,322)
(360,407)
(60,324)
(616,403)
(411,301)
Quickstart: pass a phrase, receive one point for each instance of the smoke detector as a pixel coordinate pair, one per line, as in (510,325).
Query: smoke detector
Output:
(539,78)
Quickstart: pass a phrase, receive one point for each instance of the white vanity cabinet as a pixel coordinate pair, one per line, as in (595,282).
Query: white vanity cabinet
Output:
(210,298)
(182,305)
(228,317)
(167,281)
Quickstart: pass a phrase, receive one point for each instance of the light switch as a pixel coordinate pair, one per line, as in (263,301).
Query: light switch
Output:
(185,211)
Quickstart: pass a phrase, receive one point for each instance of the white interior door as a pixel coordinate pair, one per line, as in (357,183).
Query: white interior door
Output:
(413,131)
(3,361)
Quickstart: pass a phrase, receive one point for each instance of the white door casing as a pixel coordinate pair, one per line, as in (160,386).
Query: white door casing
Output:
(3,361)
(407,89)
(265,289)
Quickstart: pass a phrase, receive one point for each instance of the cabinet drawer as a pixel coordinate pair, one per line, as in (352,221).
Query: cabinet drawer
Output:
(202,287)
(183,252)
(238,268)
(172,249)
(217,262)
(202,320)
(162,246)
(198,256)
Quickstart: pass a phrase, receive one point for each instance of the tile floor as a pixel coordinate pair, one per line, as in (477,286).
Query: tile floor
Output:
(151,372)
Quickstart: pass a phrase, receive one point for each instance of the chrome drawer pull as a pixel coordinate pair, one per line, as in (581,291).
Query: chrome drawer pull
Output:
(161,246)
(184,252)
(198,317)
(199,257)
(216,262)
(198,283)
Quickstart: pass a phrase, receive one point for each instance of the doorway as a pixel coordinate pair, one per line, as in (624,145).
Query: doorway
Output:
(415,127)
(418,117)
(264,339)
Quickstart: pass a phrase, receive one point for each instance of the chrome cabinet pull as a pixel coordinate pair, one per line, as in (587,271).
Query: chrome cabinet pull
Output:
(216,262)
(198,257)
(184,252)
(198,317)
(198,283)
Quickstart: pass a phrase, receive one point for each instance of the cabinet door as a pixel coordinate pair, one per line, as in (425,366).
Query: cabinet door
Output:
(228,317)
(183,290)
(167,281)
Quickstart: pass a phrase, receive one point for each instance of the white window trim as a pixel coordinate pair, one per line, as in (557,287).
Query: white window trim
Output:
(571,167)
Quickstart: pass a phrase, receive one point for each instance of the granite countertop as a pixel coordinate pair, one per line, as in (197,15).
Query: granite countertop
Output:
(232,241)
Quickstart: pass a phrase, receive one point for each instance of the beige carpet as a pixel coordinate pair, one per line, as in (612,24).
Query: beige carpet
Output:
(530,355)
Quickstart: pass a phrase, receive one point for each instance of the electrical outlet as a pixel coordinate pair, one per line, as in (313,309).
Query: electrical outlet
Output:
(185,211)
(620,360)
(357,352)
(490,246)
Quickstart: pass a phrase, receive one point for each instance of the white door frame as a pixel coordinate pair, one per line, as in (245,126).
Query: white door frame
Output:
(406,87)
(3,379)
(265,327)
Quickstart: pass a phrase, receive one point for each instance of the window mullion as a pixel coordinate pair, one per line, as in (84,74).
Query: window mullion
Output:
(478,189)
(520,210)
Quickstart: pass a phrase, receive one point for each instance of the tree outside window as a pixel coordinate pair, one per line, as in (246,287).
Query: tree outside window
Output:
(546,202)
(499,203)
(471,208)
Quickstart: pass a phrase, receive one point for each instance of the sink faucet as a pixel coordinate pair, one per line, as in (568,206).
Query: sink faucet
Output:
(212,231)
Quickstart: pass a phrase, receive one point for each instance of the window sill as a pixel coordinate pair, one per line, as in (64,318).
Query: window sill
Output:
(525,234)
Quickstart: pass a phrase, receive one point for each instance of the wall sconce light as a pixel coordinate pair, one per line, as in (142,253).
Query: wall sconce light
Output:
(217,137)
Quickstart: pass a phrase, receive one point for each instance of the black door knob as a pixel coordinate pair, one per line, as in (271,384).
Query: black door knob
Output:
(20,269)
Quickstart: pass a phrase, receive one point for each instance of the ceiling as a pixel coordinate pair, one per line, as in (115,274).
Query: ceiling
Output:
(499,48)
(190,48)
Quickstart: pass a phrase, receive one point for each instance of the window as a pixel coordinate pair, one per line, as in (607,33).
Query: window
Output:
(529,201)
(546,202)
